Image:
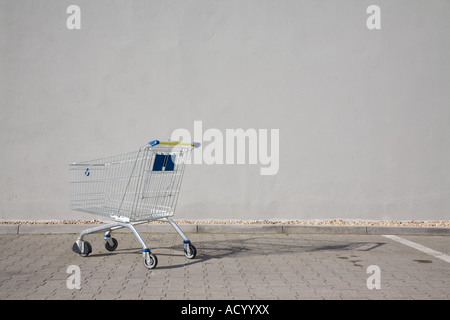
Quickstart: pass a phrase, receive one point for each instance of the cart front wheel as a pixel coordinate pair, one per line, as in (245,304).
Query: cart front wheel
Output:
(190,251)
(112,247)
(85,249)
(150,260)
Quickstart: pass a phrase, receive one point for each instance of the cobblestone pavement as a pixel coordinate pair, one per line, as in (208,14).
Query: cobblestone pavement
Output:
(227,266)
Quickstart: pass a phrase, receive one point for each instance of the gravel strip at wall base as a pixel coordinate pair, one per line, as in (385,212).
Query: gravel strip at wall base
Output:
(274,227)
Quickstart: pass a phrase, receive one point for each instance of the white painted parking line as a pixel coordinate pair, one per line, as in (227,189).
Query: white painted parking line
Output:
(420,247)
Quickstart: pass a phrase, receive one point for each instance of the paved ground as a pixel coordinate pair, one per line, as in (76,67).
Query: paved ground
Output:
(228,266)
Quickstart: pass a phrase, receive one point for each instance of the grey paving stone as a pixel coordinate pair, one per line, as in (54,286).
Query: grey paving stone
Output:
(228,266)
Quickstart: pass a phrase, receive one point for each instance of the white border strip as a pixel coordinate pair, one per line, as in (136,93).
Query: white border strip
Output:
(420,247)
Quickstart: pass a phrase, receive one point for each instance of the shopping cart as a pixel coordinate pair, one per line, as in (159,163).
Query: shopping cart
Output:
(132,189)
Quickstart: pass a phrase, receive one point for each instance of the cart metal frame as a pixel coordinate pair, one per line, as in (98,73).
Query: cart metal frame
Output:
(132,189)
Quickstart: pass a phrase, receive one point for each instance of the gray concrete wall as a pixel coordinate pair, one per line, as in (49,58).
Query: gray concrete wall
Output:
(363,115)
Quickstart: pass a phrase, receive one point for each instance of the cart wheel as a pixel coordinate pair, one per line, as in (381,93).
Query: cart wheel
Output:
(190,251)
(85,250)
(113,247)
(150,260)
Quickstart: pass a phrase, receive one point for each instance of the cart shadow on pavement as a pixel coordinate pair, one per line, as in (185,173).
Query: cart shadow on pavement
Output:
(245,247)
(257,246)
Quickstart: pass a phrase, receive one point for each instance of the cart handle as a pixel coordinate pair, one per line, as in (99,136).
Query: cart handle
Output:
(174,143)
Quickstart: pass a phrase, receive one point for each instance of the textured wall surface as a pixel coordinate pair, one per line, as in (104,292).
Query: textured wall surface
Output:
(362,115)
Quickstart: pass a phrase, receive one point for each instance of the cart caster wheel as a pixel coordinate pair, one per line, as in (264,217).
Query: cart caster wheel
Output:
(110,247)
(190,251)
(150,260)
(85,250)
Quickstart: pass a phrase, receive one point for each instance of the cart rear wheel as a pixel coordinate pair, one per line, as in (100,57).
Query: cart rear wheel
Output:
(113,247)
(190,251)
(150,260)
